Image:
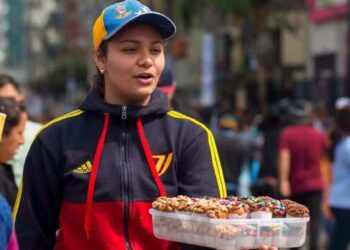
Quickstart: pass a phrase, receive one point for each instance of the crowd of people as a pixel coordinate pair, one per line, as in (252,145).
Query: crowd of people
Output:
(299,156)
(90,176)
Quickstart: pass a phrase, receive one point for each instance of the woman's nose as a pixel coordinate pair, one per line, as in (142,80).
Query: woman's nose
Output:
(145,59)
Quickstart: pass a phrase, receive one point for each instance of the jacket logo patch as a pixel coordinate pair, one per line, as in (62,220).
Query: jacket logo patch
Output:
(84,168)
(162,162)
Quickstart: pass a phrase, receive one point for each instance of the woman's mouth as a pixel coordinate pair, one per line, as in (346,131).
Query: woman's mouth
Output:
(145,78)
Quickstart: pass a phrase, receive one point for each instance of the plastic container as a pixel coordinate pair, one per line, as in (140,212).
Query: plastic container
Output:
(229,233)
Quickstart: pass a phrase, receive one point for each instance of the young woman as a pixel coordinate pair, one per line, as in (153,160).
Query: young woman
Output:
(91,175)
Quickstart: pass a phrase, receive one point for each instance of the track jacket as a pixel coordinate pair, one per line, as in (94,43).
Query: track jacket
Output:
(91,175)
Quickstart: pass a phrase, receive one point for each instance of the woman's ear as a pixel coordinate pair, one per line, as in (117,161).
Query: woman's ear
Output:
(100,60)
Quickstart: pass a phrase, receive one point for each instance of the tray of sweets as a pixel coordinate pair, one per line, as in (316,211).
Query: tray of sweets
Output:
(216,229)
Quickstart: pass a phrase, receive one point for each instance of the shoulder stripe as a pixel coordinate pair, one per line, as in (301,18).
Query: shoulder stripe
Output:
(213,151)
(60,118)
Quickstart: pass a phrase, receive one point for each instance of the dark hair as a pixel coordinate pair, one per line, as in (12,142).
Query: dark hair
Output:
(98,81)
(13,110)
(7,79)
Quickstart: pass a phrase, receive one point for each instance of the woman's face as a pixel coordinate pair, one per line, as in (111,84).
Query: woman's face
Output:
(133,64)
(10,143)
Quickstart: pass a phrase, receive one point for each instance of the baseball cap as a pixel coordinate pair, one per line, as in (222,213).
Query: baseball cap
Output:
(300,111)
(116,16)
(228,121)
(166,81)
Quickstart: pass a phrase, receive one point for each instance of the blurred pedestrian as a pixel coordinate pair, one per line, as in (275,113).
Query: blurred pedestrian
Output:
(167,84)
(8,239)
(301,148)
(10,88)
(339,200)
(274,121)
(91,175)
(231,151)
(12,138)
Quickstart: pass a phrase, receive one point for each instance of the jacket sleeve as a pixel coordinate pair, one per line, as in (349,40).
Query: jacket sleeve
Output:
(199,167)
(36,212)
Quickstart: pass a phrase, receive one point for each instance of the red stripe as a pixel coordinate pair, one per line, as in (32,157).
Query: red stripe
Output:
(93,175)
(149,157)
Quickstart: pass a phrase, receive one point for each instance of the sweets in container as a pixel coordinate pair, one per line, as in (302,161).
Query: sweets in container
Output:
(228,224)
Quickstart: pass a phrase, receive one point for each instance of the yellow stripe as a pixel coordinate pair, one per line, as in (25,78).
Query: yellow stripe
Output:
(60,118)
(213,151)
(15,208)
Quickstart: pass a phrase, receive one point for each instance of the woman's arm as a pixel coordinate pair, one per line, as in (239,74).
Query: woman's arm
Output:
(36,211)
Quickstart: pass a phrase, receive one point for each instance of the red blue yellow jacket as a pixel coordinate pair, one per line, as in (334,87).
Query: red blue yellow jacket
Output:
(91,175)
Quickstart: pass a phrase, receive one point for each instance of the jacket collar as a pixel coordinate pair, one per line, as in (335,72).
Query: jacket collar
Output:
(94,102)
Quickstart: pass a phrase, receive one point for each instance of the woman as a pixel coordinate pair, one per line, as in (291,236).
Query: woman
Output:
(12,138)
(340,186)
(91,175)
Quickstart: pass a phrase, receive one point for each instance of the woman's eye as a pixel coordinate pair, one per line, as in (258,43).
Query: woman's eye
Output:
(129,50)
(156,50)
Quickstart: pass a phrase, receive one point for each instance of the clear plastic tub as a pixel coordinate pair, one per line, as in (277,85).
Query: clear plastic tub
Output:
(229,233)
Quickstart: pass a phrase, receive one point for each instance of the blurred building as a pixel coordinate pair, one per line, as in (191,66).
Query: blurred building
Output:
(328,49)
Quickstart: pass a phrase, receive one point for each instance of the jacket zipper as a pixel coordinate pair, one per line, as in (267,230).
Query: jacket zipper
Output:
(126,189)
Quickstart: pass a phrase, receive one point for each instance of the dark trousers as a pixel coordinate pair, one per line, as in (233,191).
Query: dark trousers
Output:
(341,234)
(313,201)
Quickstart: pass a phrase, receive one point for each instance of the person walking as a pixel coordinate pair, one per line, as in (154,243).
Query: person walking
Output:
(301,148)
(339,201)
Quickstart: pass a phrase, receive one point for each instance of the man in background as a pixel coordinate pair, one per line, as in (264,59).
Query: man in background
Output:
(301,148)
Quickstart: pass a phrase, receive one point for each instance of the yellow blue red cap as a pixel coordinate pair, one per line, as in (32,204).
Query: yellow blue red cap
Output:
(116,16)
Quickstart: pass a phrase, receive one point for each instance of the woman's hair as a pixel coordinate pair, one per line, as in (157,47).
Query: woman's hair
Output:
(13,110)
(98,81)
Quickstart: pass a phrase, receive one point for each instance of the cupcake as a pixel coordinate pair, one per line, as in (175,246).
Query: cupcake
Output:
(247,238)
(259,209)
(164,226)
(297,230)
(280,235)
(184,204)
(238,210)
(217,211)
(165,204)
(227,236)
(265,235)
(295,210)
(277,208)
(202,205)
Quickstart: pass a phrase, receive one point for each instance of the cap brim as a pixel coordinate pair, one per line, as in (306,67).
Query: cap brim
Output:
(165,26)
